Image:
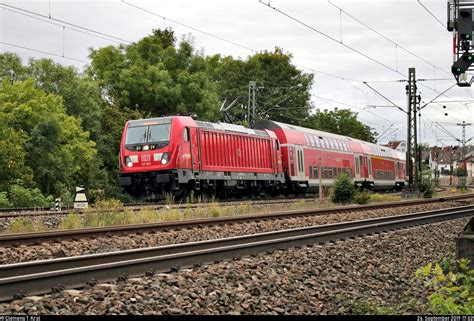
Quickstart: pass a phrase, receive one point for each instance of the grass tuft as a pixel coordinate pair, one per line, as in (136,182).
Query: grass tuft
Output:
(25,225)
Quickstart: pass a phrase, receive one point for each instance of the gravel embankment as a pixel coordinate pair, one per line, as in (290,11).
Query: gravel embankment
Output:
(322,279)
(116,243)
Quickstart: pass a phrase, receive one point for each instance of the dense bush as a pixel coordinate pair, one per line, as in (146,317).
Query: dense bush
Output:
(453,292)
(26,197)
(362,198)
(4,202)
(343,190)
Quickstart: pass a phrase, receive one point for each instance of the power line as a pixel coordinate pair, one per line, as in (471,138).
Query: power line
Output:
(187,26)
(431,14)
(342,44)
(449,88)
(357,107)
(65,22)
(387,38)
(57,24)
(330,37)
(313,70)
(394,105)
(41,51)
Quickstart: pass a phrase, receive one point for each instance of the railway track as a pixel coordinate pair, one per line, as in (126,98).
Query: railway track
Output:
(44,276)
(17,239)
(29,212)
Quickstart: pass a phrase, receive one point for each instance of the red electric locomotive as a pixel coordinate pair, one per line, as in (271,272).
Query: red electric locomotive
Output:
(178,154)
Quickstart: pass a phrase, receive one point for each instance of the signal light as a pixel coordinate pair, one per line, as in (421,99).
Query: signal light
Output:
(463,64)
(465,24)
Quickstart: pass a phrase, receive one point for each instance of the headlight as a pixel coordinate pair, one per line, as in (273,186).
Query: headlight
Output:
(164,159)
(146,147)
(128,161)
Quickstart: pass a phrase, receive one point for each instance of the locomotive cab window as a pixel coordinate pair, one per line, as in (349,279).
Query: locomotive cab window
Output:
(156,135)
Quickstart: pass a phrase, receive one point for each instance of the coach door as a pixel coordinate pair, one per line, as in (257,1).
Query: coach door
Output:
(300,174)
(363,166)
(369,168)
(358,161)
(396,170)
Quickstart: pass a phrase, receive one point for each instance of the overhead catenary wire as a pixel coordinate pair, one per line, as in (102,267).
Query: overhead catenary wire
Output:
(313,70)
(186,26)
(431,14)
(329,37)
(41,51)
(378,93)
(48,21)
(397,45)
(356,107)
(342,44)
(65,22)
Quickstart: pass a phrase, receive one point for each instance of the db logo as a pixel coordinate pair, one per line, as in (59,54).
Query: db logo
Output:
(145,158)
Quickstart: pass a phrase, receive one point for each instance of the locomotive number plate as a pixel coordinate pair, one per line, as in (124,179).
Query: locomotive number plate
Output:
(146,160)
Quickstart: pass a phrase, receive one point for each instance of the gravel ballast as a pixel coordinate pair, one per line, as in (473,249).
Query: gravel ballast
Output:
(130,241)
(322,279)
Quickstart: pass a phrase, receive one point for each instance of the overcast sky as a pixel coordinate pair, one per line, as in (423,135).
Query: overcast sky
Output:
(251,25)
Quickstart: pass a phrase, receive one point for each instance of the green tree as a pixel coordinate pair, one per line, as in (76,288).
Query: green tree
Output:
(156,76)
(342,122)
(11,67)
(12,162)
(283,91)
(80,94)
(55,147)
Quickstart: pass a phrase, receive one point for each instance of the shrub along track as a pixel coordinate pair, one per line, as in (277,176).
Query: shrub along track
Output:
(54,244)
(40,277)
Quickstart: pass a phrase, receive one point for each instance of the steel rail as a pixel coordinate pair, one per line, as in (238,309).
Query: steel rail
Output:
(40,277)
(40,211)
(16,239)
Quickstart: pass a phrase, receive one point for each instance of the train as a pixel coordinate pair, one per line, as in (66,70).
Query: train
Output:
(179,154)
